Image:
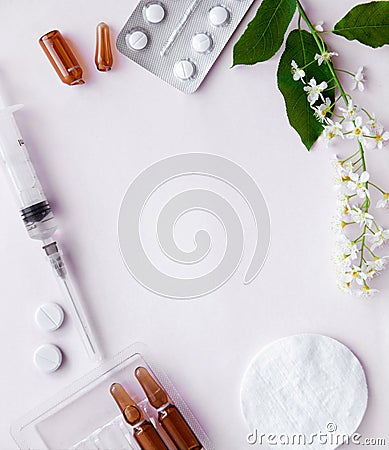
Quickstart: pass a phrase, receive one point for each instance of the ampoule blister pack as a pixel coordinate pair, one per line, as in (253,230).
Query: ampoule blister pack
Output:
(85,417)
(179,40)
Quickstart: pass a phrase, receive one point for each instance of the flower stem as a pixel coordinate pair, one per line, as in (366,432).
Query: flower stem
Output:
(362,152)
(351,157)
(320,43)
(378,188)
(362,246)
(371,252)
(345,71)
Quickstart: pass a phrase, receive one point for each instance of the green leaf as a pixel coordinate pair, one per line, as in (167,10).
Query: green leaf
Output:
(265,33)
(368,23)
(301,47)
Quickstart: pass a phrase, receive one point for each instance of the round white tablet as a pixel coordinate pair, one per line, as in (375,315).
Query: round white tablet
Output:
(219,16)
(49,316)
(137,39)
(48,358)
(201,42)
(184,69)
(303,385)
(154,12)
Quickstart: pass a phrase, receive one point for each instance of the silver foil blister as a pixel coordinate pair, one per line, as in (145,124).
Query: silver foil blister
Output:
(179,40)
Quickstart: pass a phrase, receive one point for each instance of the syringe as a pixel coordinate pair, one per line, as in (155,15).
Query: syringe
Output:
(37,215)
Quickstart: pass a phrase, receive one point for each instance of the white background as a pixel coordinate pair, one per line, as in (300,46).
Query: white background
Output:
(89,142)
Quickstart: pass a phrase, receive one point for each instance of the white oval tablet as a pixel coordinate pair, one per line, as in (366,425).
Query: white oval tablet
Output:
(201,42)
(49,316)
(137,39)
(154,12)
(304,385)
(48,358)
(219,16)
(184,69)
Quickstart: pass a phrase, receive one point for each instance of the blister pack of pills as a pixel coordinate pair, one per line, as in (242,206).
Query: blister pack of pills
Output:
(179,40)
(124,404)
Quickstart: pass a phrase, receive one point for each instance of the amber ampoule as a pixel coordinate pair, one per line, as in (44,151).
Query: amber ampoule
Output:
(169,416)
(62,58)
(103,54)
(144,433)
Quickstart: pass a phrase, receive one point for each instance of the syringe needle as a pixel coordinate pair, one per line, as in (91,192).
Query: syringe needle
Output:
(58,264)
(83,327)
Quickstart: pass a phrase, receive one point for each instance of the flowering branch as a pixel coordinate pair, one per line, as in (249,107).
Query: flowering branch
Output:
(355,257)
(327,109)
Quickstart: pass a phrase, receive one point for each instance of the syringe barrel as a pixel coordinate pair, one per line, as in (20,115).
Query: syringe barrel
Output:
(34,207)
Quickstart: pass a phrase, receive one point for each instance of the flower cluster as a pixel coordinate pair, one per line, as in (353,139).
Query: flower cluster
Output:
(358,235)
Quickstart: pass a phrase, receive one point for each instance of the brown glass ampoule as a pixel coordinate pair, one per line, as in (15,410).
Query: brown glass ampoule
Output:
(169,416)
(144,433)
(61,58)
(103,54)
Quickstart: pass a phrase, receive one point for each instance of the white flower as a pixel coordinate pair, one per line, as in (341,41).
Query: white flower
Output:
(338,223)
(296,71)
(376,265)
(332,130)
(340,181)
(356,129)
(361,217)
(359,80)
(366,291)
(344,287)
(351,111)
(343,204)
(379,137)
(322,110)
(357,184)
(314,90)
(356,274)
(341,167)
(373,123)
(384,201)
(378,238)
(347,248)
(318,26)
(325,56)
(343,263)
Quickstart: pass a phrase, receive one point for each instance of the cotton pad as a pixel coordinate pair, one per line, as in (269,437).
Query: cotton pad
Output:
(304,384)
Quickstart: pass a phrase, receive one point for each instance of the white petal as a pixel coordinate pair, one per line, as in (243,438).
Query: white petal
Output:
(365,177)
(353,176)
